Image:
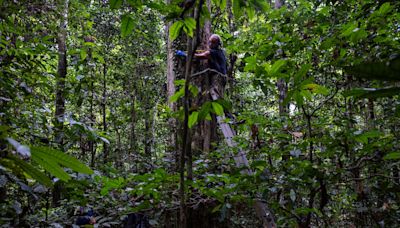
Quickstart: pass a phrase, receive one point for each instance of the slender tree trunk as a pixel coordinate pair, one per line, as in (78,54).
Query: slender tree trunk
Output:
(103,104)
(91,124)
(147,134)
(133,144)
(281,84)
(61,74)
(60,90)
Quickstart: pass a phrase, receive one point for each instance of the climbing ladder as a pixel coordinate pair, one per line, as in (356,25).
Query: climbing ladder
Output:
(241,161)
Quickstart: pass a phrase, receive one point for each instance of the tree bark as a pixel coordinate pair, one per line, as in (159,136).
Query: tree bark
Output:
(61,74)
(172,147)
(60,89)
(103,105)
(132,140)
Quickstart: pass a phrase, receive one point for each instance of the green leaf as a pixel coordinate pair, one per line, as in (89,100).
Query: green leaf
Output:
(276,67)
(175,29)
(127,25)
(114,4)
(217,208)
(190,22)
(177,95)
(193,119)
(392,156)
(83,54)
(385,8)
(194,90)
(219,110)
(363,137)
(135,3)
(237,11)
(51,166)
(31,171)
(179,82)
(222,5)
(205,110)
(61,158)
(385,71)
(301,73)
(372,93)
(251,63)
(190,25)
(315,88)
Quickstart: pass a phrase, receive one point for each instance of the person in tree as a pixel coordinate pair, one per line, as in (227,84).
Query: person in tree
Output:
(216,62)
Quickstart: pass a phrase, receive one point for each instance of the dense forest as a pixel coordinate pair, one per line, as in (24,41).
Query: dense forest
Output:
(109,117)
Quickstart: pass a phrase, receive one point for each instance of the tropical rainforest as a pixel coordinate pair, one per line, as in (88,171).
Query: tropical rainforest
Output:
(108,119)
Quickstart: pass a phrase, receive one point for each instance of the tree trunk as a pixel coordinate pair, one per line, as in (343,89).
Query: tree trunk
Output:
(60,90)
(133,144)
(61,74)
(103,106)
(91,124)
(172,147)
(147,134)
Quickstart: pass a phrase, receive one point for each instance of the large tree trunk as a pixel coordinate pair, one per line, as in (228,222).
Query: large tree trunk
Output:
(60,90)
(172,147)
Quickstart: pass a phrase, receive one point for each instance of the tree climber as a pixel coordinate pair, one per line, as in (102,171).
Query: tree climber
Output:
(216,62)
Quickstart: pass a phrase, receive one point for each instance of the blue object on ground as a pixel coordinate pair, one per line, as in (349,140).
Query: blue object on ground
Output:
(180,53)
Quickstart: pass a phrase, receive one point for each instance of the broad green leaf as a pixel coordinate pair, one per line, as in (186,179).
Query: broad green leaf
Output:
(306,94)
(315,88)
(348,29)
(219,110)
(193,119)
(177,95)
(127,25)
(392,156)
(372,93)
(385,71)
(190,22)
(189,26)
(205,110)
(251,63)
(51,166)
(175,29)
(83,54)
(385,8)
(357,35)
(301,73)
(194,90)
(179,82)
(114,4)
(31,171)
(237,11)
(62,159)
(275,68)
(222,5)
(363,137)
(135,3)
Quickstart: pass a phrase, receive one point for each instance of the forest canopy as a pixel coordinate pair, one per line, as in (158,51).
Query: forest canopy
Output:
(112,113)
